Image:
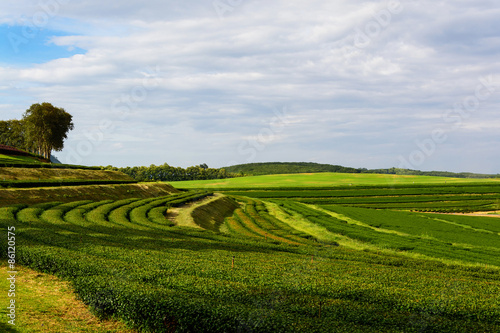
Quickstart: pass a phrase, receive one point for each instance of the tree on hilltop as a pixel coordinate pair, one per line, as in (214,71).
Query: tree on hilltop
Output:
(46,128)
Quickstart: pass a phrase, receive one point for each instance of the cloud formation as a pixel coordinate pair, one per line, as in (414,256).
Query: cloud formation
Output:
(356,83)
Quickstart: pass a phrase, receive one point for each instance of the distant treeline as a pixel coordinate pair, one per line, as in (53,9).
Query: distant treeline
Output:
(398,171)
(310,167)
(166,172)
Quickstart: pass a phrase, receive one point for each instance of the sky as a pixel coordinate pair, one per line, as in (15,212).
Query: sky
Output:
(366,84)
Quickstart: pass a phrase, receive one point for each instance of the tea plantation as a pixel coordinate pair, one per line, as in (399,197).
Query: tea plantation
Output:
(362,258)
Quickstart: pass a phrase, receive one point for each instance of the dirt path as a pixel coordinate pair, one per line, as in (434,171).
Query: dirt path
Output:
(494,213)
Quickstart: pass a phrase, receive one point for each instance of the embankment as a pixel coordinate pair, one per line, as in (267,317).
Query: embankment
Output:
(211,215)
(92,192)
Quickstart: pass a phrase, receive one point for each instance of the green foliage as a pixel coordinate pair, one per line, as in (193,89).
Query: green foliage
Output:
(46,128)
(166,172)
(12,133)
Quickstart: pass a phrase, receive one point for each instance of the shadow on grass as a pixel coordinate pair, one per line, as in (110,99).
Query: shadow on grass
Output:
(7,328)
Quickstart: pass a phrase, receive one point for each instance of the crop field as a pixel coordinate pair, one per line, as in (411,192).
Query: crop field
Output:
(454,197)
(335,258)
(324,179)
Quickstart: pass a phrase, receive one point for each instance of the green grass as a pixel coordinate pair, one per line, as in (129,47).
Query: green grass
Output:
(48,304)
(18,159)
(322,180)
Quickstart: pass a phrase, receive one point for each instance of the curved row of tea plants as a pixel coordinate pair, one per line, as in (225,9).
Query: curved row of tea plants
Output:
(253,220)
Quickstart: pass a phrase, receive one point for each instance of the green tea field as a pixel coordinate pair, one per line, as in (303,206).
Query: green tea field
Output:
(378,255)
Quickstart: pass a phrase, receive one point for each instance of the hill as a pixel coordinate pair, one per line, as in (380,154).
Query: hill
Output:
(271,168)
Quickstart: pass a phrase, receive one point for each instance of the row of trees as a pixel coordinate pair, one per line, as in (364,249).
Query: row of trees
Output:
(311,167)
(166,172)
(42,129)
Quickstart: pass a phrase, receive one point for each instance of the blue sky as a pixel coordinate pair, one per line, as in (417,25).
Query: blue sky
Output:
(374,84)
(21,47)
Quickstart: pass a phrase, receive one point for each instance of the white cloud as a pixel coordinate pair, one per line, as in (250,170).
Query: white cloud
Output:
(218,79)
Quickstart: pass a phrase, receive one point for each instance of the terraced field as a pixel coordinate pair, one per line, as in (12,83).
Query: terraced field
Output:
(299,259)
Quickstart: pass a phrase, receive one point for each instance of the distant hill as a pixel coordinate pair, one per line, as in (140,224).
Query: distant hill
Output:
(272,168)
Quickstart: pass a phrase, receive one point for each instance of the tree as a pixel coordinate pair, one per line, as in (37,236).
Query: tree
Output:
(12,133)
(46,128)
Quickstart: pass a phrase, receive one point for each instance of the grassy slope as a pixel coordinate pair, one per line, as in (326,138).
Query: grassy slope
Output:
(91,192)
(320,180)
(60,174)
(211,215)
(48,304)
(17,159)
(208,213)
